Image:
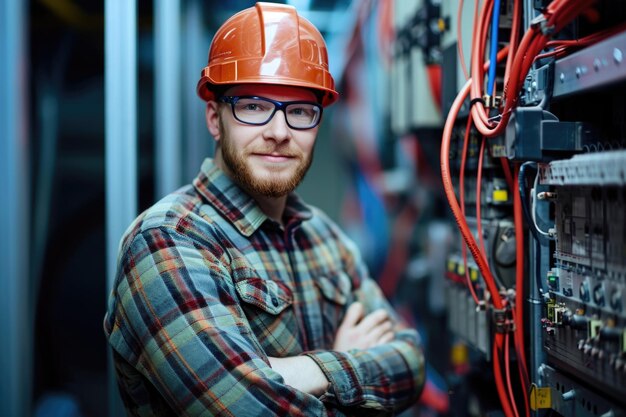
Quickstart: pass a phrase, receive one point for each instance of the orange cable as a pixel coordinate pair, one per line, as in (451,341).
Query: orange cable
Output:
(470,286)
(507,370)
(479,180)
(514,39)
(507,172)
(497,374)
(557,15)
(450,195)
(463,227)
(519,292)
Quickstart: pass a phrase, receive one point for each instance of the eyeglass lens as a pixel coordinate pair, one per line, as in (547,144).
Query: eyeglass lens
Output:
(259,111)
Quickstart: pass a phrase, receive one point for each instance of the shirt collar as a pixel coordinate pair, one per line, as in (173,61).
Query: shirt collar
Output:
(235,205)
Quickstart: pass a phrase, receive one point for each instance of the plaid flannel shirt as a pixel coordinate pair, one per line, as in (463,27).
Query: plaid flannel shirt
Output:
(208,287)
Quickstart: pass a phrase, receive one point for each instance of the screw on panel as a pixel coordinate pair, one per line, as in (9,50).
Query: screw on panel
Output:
(617,55)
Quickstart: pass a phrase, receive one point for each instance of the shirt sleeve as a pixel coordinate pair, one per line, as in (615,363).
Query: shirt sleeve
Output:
(175,317)
(387,377)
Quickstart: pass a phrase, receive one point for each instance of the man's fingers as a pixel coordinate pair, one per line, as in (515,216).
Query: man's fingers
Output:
(360,331)
(375,333)
(353,315)
(386,338)
(373,319)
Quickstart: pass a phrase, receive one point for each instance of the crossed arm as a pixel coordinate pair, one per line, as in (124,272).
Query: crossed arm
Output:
(357,331)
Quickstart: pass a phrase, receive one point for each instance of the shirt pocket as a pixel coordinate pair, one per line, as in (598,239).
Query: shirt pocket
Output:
(268,306)
(336,295)
(270,296)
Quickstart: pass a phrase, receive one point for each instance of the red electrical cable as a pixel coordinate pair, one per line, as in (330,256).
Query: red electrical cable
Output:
(507,370)
(470,286)
(479,180)
(534,39)
(463,160)
(482,40)
(476,16)
(514,39)
(464,229)
(449,191)
(518,316)
(482,30)
(507,172)
(497,374)
(564,47)
(519,292)
(557,15)
(478,55)
(564,11)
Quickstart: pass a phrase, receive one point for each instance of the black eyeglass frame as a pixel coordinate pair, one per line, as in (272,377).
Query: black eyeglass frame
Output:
(278,105)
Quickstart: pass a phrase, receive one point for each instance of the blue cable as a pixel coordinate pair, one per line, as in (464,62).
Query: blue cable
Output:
(495,22)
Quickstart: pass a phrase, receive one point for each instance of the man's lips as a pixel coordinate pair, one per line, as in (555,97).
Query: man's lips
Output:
(274,157)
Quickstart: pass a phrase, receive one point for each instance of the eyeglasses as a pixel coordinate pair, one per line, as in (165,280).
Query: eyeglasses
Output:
(258,111)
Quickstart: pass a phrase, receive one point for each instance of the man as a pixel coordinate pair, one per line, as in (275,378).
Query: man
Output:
(233,297)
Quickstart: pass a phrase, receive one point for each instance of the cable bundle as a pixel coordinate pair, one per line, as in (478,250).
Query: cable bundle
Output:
(520,59)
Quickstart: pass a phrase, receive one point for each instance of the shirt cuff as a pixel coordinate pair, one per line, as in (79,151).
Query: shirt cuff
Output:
(345,383)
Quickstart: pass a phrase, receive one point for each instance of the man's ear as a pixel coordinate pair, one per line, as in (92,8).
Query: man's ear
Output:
(213,119)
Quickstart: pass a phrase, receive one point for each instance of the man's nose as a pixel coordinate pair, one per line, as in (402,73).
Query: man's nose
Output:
(277,128)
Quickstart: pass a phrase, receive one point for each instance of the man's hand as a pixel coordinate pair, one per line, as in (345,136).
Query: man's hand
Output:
(301,373)
(359,332)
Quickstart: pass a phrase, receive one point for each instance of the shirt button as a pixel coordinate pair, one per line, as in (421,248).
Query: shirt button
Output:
(275,301)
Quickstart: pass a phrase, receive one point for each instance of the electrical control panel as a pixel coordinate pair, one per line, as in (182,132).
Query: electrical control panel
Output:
(557,174)
(533,166)
(585,322)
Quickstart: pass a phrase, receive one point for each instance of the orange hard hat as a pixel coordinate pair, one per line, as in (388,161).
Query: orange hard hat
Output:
(268,44)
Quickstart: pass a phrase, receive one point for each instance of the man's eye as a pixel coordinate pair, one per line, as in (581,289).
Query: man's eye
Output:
(301,111)
(251,107)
